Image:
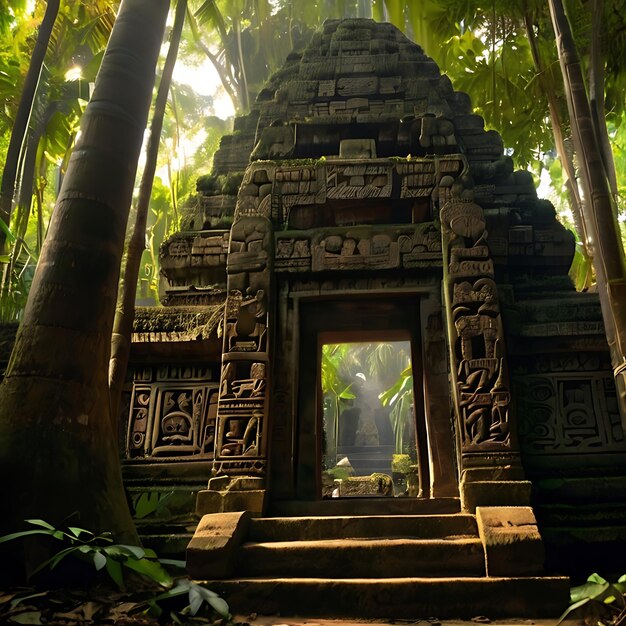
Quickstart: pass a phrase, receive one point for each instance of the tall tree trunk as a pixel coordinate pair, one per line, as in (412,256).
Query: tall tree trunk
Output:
(57,444)
(596,95)
(567,163)
(600,215)
(125,311)
(244,94)
(20,124)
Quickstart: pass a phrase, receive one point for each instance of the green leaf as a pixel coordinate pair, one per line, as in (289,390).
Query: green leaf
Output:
(99,560)
(173,563)
(154,608)
(596,578)
(219,606)
(54,560)
(182,586)
(114,569)
(199,594)
(122,551)
(151,570)
(136,551)
(590,590)
(195,600)
(571,608)
(9,235)
(40,522)
(77,532)
(23,533)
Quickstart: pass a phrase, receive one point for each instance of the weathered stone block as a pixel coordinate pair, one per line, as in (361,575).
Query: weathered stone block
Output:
(513,545)
(209,501)
(357,149)
(494,493)
(211,553)
(375,485)
(357,86)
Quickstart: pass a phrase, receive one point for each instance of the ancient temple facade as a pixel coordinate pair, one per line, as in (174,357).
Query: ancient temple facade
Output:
(362,201)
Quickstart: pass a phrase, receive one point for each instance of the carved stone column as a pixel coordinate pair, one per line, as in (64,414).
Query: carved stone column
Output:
(242,430)
(491,472)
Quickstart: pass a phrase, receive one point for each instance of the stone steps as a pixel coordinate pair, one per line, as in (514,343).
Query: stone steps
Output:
(362,558)
(350,527)
(364,506)
(399,598)
(392,566)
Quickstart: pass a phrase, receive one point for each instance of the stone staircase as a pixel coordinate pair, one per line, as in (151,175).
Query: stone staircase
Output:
(394,566)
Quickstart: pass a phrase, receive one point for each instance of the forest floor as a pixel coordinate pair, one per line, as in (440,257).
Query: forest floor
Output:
(103,605)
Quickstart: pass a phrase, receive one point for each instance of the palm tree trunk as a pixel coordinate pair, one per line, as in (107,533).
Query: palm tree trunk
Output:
(20,124)
(125,312)
(244,94)
(599,207)
(596,96)
(575,201)
(57,443)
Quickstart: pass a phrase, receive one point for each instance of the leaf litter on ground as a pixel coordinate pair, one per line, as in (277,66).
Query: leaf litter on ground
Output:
(94,606)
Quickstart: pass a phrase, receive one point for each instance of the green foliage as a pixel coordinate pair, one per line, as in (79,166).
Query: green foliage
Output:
(151,503)
(598,593)
(16,269)
(99,550)
(400,398)
(334,380)
(181,599)
(197,597)
(401,463)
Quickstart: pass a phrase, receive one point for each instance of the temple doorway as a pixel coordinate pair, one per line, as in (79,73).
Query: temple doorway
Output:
(360,427)
(369,445)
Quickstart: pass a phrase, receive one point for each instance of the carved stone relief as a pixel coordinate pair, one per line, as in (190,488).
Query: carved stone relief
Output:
(172,413)
(479,374)
(358,248)
(244,386)
(567,406)
(272,190)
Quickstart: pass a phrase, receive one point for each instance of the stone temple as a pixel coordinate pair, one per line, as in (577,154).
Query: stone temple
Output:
(360,203)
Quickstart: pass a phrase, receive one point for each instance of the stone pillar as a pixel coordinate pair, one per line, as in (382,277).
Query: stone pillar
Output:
(489,457)
(241,445)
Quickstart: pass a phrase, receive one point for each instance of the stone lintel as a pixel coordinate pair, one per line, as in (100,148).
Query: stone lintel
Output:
(211,553)
(511,539)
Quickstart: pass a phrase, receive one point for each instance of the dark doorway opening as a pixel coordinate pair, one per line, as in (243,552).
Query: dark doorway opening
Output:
(361,429)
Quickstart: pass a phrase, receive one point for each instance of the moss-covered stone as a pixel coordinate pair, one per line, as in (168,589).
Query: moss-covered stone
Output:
(197,324)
